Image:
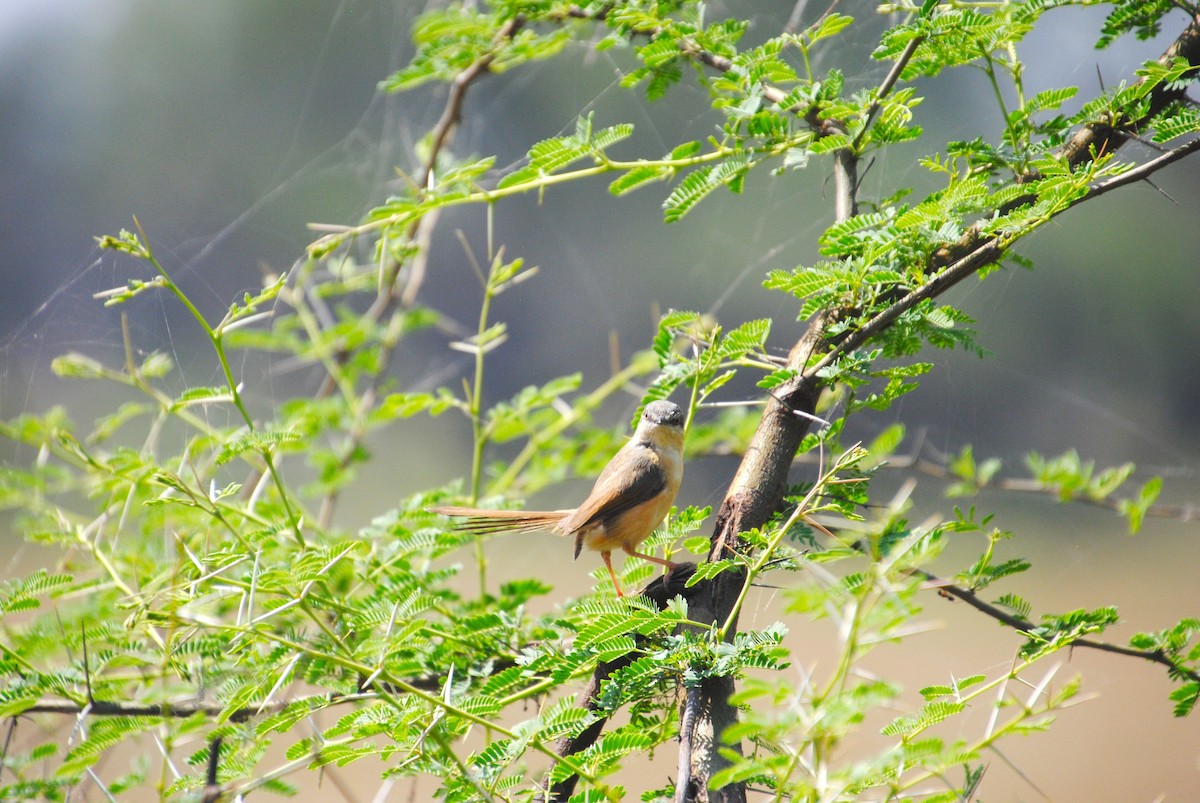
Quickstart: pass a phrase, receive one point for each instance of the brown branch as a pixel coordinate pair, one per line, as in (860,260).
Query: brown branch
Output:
(1103,136)
(1182,513)
(845,184)
(888,82)
(1142,172)
(1107,136)
(984,253)
(420,232)
(442,135)
(211,793)
(183,710)
(758,489)
(758,486)
(661,590)
(684,788)
(1018,623)
(10,731)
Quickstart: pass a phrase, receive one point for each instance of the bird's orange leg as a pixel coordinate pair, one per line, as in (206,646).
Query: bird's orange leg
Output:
(651,558)
(608,562)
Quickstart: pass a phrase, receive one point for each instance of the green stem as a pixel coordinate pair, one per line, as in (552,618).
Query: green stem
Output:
(387,679)
(215,337)
(989,69)
(479,432)
(803,511)
(837,683)
(578,410)
(606,165)
(763,558)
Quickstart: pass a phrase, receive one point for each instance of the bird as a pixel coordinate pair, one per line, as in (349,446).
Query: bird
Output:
(631,497)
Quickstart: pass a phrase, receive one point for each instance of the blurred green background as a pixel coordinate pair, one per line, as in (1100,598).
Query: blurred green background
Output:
(226,127)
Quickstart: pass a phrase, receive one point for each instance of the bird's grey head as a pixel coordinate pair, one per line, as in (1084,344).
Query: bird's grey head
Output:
(663,413)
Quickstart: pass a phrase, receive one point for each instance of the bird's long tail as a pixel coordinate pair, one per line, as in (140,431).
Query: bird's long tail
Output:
(485,522)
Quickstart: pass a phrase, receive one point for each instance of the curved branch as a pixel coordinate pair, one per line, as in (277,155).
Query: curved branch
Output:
(758,487)
(421,232)
(1183,513)
(886,87)
(1102,136)
(661,590)
(1002,616)
(984,253)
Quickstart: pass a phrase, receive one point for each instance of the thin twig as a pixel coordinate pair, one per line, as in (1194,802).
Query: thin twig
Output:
(1180,513)
(1141,172)
(888,82)
(183,710)
(1184,513)
(421,233)
(8,737)
(982,255)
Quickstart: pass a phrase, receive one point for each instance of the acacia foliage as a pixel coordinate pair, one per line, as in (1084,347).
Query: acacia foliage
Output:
(202,600)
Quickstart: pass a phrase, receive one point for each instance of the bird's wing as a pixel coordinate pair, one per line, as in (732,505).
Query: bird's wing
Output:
(623,485)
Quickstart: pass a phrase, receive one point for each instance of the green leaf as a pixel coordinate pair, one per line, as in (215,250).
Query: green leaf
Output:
(931,714)
(689,192)
(103,733)
(406,405)
(749,337)
(828,25)
(697,184)
(885,443)
(777,378)
(1185,698)
(710,569)
(262,440)
(799,282)
(1050,99)
(686,150)
(1018,605)
(605,138)
(550,154)
(632,179)
(829,144)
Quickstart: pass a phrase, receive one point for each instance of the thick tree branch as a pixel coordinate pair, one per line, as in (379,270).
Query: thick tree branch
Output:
(1103,136)
(984,253)
(760,482)
(661,590)
(758,487)
(754,495)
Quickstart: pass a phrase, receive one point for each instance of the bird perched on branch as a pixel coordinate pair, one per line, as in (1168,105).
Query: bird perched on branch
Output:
(631,496)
